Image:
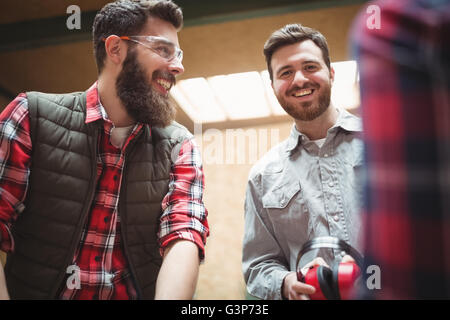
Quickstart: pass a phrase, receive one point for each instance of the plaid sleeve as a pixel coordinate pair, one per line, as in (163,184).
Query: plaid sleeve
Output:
(15,150)
(184,214)
(404,68)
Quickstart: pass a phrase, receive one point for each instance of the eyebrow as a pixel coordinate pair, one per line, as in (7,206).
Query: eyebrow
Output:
(310,61)
(283,68)
(164,41)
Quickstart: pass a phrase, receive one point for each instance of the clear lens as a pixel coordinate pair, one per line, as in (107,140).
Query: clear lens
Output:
(163,47)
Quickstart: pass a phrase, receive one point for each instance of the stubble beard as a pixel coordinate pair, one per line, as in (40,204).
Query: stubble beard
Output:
(309,110)
(142,102)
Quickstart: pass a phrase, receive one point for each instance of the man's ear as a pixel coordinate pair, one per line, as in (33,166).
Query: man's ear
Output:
(332,74)
(116,49)
(271,80)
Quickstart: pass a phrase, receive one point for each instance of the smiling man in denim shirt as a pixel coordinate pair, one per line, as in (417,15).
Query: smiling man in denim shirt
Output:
(308,185)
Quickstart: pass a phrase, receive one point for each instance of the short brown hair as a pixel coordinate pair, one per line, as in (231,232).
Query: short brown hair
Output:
(127,18)
(290,34)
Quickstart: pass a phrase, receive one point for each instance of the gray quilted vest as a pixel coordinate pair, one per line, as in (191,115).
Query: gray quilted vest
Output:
(61,190)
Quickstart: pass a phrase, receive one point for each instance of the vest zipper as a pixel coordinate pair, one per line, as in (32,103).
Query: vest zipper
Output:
(120,212)
(76,239)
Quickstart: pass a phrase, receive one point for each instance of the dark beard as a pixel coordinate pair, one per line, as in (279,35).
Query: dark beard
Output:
(306,111)
(140,99)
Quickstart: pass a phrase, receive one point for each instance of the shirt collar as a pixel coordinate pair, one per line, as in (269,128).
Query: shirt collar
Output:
(294,138)
(345,120)
(94,108)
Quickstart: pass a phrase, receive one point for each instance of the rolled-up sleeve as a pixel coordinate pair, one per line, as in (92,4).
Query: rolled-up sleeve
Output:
(263,263)
(184,214)
(15,157)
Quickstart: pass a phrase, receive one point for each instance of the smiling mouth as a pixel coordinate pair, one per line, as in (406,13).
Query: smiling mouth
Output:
(303,93)
(164,83)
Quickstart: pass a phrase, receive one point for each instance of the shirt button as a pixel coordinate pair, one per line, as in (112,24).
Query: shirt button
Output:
(115,178)
(98,258)
(336,217)
(331,183)
(106,219)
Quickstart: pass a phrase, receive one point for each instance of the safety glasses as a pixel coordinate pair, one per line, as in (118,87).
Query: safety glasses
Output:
(160,45)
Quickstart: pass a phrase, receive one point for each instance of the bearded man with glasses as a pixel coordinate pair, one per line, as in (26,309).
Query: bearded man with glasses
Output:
(101,191)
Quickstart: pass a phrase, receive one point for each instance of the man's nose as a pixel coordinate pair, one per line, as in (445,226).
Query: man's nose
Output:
(176,67)
(299,79)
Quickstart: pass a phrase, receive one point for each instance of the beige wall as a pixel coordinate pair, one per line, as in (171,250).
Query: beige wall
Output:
(221,275)
(2,257)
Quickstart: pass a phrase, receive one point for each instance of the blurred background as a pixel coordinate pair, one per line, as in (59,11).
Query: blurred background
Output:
(224,96)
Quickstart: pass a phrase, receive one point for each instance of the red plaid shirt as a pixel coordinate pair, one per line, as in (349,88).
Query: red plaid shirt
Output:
(405,100)
(103,268)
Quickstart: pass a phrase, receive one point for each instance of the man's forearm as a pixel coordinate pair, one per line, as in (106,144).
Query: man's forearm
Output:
(3,291)
(177,278)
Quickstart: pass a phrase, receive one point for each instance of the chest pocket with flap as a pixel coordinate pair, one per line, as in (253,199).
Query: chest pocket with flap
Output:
(279,188)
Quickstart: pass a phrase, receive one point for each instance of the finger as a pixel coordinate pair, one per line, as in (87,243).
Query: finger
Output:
(298,296)
(347,258)
(319,262)
(304,297)
(305,269)
(303,288)
(294,296)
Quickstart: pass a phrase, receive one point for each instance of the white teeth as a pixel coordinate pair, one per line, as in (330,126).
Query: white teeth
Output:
(303,92)
(164,83)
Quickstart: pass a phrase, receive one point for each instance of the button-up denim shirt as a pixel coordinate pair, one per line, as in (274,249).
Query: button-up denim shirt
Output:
(297,192)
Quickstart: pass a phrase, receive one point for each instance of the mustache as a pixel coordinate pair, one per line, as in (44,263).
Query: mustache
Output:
(306,86)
